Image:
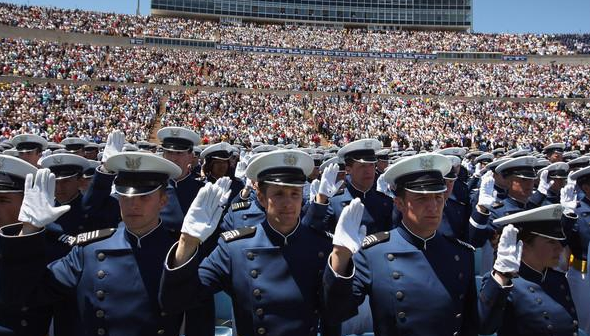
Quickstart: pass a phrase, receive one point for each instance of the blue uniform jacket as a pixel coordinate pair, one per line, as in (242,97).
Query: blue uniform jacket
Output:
(536,304)
(578,231)
(243,213)
(455,221)
(415,287)
(479,233)
(377,216)
(114,281)
(274,280)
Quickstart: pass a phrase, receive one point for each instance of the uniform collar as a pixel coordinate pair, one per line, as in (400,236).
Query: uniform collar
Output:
(354,192)
(419,242)
(530,274)
(278,238)
(70,201)
(136,241)
(586,200)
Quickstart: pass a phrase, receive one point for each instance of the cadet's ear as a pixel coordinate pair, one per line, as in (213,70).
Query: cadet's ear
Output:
(261,196)
(163,197)
(399,203)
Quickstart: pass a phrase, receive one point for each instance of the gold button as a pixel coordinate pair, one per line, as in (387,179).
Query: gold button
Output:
(401,315)
(100,313)
(399,295)
(531,289)
(161,332)
(550,327)
(311,329)
(261,331)
(396,275)
(539,301)
(254,273)
(244,217)
(250,256)
(100,256)
(460,276)
(101,274)
(575,334)
(163,314)
(575,322)
(320,254)
(457,258)
(458,316)
(461,296)
(100,331)
(24,323)
(256,292)
(24,309)
(100,294)
(259,312)
(390,257)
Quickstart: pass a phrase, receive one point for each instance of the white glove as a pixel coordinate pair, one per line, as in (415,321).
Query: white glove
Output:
(349,232)
(383,186)
(203,215)
(313,189)
(568,195)
(544,183)
(240,170)
(509,251)
(38,207)
(46,153)
(328,184)
(115,142)
(224,184)
(478,169)
(486,190)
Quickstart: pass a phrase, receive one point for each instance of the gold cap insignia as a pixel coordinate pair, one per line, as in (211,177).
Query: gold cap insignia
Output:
(290,159)
(427,163)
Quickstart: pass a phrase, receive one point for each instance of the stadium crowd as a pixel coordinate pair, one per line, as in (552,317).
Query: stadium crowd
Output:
(35,58)
(287,35)
(59,111)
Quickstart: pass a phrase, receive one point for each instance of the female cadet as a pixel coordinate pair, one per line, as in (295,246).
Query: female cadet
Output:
(538,301)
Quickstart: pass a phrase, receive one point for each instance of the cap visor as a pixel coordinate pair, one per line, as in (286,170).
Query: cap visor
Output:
(135,191)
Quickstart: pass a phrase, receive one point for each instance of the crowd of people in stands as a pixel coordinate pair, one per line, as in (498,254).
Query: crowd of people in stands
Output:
(59,111)
(419,123)
(291,36)
(36,58)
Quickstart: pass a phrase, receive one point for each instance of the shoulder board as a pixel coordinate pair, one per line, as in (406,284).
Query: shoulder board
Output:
(322,233)
(462,243)
(240,205)
(497,205)
(86,238)
(375,239)
(238,233)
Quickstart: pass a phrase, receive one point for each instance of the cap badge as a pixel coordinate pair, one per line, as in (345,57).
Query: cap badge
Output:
(530,161)
(58,160)
(427,163)
(24,138)
(175,132)
(290,159)
(368,144)
(132,163)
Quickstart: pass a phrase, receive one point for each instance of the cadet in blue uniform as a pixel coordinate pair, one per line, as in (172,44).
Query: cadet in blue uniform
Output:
(419,282)
(554,152)
(216,165)
(114,280)
(456,214)
(29,147)
(359,158)
(460,188)
(272,270)
(538,301)
(551,179)
(74,145)
(17,319)
(578,238)
(519,175)
(177,144)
